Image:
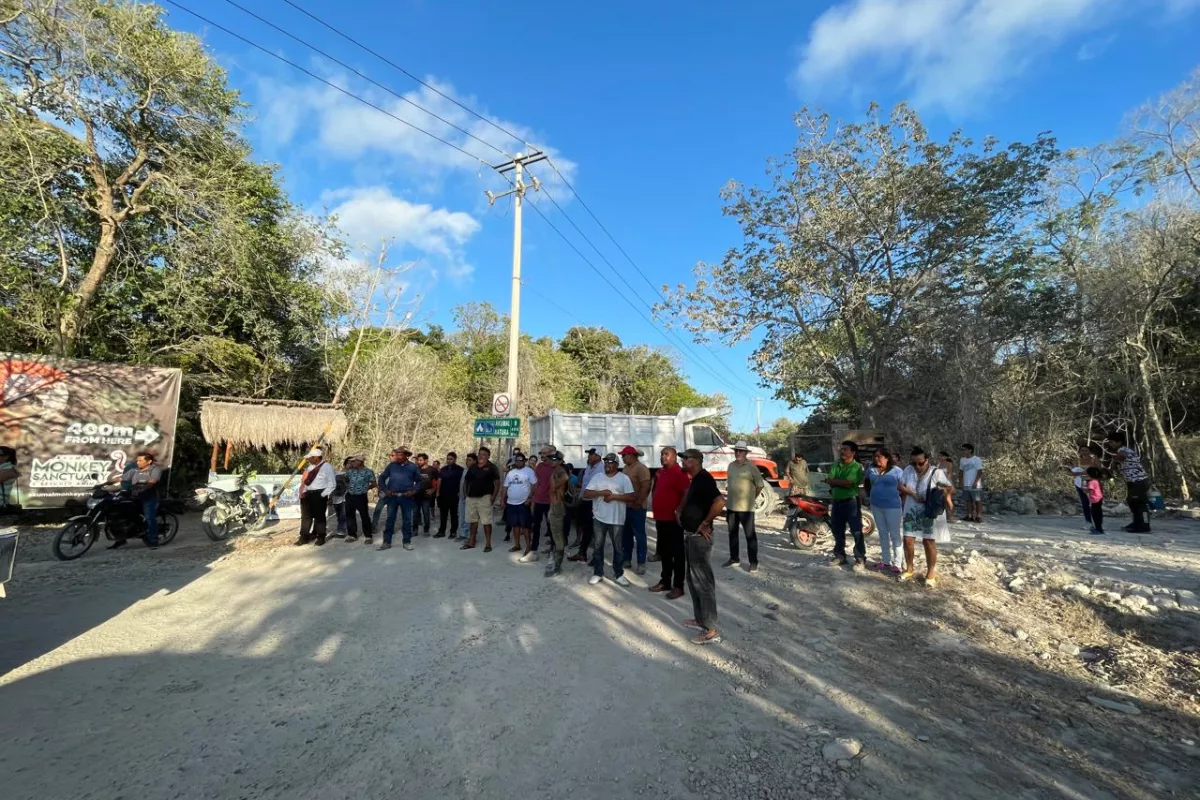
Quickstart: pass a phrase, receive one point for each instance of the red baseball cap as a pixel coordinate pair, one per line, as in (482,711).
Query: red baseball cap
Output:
(630,450)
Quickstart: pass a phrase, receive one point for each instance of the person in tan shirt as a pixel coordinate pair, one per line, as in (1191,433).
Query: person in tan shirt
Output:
(743,484)
(635,516)
(559,480)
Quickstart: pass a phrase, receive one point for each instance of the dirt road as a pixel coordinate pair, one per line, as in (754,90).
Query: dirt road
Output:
(341,672)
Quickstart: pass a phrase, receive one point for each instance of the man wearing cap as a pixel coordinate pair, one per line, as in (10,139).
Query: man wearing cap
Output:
(558,479)
(635,517)
(701,505)
(517,498)
(584,521)
(398,485)
(360,479)
(541,493)
(316,485)
(743,484)
(670,487)
(611,492)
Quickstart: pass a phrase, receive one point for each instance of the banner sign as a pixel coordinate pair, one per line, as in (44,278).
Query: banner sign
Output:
(501,427)
(70,421)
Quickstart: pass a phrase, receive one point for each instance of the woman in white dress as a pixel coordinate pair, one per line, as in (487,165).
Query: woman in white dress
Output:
(919,476)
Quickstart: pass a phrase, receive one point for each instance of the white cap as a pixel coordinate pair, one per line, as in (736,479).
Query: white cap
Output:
(316,452)
(741,445)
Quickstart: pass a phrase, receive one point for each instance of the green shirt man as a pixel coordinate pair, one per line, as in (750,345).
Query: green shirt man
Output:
(743,482)
(843,471)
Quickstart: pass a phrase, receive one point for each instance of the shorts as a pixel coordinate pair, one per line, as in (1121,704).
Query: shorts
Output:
(518,516)
(973,495)
(479,510)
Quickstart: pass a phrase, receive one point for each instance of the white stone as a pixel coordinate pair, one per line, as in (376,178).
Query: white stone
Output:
(1068,649)
(841,748)
(1113,705)
(1020,634)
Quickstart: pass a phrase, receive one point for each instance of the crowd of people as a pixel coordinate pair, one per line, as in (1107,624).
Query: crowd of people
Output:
(607,502)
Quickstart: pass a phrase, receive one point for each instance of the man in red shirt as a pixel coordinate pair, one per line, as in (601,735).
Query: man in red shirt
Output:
(541,495)
(670,485)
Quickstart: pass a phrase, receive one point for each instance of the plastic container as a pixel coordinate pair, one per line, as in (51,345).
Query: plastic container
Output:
(1157,503)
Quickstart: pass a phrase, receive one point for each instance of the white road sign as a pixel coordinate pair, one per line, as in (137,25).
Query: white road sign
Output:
(501,404)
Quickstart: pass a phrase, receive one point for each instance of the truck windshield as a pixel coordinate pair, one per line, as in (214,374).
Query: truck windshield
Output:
(704,436)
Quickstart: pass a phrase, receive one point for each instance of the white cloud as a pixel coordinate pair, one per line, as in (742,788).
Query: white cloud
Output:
(950,54)
(369,215)
(346,129)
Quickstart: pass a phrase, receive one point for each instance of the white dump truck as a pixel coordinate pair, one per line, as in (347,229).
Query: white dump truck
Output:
(575,434)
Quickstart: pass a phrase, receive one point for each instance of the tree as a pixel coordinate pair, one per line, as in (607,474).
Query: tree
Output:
(866,232)
(140,117)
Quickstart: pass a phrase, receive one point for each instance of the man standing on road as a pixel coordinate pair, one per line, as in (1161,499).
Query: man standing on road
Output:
(449,478)
(1137,482)
(559,479)
(316,485)
(584,521)
(517,497)
(635,516)
(541,493)
(700,506)
(743,484)
(971,467)
(482,484)
(399,483)
(611,492)
(844,478)
(426,495)
(464,525)
(360,479)
(670,487)
(797,475)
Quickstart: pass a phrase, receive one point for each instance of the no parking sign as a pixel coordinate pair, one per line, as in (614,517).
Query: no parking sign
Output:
(501,404)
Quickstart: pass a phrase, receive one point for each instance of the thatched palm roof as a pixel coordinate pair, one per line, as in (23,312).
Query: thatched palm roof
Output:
(249,422)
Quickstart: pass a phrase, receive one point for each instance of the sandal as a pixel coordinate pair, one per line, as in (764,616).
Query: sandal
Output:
(931,583)
(467,547)
(691,623)
(487,549)
(515,549)
(905,576)
(707,638)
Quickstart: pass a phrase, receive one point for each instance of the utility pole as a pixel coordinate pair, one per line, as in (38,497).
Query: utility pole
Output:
(758,419)
(517,167)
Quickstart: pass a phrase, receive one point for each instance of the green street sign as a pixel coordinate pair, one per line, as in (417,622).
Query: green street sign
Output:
(498,427)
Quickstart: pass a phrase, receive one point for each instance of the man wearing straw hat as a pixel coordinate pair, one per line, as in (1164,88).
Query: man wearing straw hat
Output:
(316,485)
(398,485)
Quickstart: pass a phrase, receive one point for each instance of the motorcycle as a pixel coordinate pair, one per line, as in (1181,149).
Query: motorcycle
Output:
(245,507)
(118,514)
(808,519)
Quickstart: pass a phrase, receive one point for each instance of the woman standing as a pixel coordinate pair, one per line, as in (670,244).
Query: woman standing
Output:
(926,490)
(1088,456)
(886,504)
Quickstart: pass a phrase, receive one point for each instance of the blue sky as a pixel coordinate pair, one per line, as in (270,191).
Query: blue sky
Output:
(648,109)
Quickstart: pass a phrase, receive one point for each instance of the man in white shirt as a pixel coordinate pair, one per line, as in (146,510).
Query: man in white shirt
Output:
(971,467)
(316,485)
(610,492)
(517,499)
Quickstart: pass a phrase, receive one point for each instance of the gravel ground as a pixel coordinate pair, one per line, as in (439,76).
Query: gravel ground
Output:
(256,670)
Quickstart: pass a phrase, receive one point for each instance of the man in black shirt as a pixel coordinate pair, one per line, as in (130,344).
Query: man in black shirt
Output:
(423,515)
(483,484)
(699,507)
(448,479)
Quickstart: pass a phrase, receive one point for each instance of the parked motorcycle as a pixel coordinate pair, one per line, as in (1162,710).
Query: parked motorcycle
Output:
(808,519)
(245,507)
(118,515)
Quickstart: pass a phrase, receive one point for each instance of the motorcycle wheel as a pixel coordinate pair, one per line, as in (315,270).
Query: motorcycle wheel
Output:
(75,539)
(168,526)
(217,522)
(868,522)
(806,534)
(257,517)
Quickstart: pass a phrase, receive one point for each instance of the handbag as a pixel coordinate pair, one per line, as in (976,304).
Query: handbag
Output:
(935,496)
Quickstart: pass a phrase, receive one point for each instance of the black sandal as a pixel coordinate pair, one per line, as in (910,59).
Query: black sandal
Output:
(467,547)
(487,549)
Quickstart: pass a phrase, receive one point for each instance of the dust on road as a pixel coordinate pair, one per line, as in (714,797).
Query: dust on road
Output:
(203,671)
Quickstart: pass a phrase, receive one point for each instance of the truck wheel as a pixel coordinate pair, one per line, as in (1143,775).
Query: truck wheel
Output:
(868,523)
(766,501)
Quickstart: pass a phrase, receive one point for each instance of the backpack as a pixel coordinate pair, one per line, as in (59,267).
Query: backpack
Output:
(935,496)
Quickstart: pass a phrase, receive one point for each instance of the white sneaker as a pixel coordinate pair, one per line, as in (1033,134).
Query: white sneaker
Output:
(595,579)
(528,558)
(408,546)
(622,581)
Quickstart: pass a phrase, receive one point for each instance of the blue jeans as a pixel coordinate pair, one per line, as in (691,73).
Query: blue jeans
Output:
(464,527)
(150,512)
(635,527)
(605,531)
(406,506)
(842,513)
(890,524)
(340,510)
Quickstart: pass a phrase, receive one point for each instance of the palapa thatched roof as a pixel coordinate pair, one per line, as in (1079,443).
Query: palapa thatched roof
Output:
(250,422)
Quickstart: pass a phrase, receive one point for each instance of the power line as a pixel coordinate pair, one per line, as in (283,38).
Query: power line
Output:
(492,123)
(401,69)
(316,77)
(367,78)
